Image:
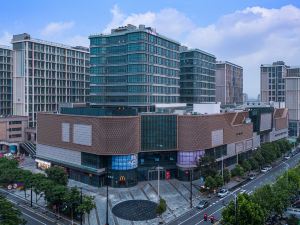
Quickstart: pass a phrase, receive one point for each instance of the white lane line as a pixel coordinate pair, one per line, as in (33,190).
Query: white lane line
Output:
(34,218)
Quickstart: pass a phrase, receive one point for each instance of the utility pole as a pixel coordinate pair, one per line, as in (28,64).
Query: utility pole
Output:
(31,196)
(81,203)
(191,188)
(106,223)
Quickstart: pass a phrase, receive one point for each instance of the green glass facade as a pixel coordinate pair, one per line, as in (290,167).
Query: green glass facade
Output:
(197,76)
(159,132)
(135,67)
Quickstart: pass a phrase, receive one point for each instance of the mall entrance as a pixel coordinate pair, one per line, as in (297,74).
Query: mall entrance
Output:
(152,174)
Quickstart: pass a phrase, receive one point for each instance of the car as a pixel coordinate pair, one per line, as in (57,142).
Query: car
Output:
(252,176)
(242,191)
(264,170)
(268,167)
(223,192)
(202,204)
(287,157)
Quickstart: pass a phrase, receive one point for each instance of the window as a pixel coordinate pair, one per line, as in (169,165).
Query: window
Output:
(124,162)
(82,134)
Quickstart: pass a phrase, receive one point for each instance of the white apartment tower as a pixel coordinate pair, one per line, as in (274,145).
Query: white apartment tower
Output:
(47,74)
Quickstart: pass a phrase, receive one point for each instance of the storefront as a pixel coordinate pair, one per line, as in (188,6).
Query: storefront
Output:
(43,165)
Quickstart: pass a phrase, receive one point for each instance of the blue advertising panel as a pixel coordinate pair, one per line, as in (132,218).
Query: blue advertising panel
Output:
(124,162)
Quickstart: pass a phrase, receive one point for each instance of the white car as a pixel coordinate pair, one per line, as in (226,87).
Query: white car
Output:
(268,167)
(264,170)
(242,191)
(287,157)
(223,192)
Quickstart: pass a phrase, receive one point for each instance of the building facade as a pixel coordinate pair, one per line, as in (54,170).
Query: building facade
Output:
(229,83)
(134,66)
(272,82)
(292,100)
(46,74)
(12,132)
(131,147)
(197,76)
(6,73)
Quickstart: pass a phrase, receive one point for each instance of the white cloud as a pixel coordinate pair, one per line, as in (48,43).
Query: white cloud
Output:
(5,38)
(248,37)
(56,27)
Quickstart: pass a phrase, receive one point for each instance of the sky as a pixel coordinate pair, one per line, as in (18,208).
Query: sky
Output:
(245,32)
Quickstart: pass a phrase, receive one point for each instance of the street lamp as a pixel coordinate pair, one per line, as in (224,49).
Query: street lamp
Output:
(158,179)
(191,188)
(235,208)
(106,176)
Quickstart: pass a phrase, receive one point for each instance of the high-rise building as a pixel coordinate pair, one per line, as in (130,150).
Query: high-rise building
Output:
(245,97)
(6,68)
(47,74)
(292,100)
(134,66)
(229,83)
(272,87)
(197,76)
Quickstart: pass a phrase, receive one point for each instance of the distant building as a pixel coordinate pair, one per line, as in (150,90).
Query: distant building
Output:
(12,132)
(46,74)
(229,83)
(197,76)
(134,66)
(245,97)
(6,71)
(292,102)
(272,83)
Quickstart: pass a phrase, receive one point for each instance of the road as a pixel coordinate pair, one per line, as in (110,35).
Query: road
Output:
(33,215)
(195,216)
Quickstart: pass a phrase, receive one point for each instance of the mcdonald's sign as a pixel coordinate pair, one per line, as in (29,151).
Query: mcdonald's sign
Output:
(122,180)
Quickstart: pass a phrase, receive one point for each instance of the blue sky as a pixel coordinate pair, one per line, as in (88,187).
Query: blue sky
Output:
(248,33)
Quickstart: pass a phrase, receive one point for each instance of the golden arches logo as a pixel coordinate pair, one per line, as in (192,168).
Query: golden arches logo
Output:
(122,178)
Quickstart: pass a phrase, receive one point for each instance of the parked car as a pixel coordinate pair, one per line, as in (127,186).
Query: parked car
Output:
(202,204)
(223,192)
(268,167)
(264,170)
(242,191)
(287,156)
(252,176)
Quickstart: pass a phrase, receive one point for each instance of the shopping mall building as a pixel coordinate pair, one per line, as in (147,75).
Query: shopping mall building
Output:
(129,147)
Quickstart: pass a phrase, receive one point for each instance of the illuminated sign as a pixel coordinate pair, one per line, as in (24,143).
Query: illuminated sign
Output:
(124,162)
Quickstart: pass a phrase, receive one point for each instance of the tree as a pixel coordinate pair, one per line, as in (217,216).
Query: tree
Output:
(58,175)
(37,184)
(55,195)
(219,181)
(210,183)
(292,220)
(248,212)
(246,166)
(161,207)
(226,175)
(9,215)
(88,204)
(72,201)
(207,166)
(254,164)
(258,157)
(237,171)
(264,196)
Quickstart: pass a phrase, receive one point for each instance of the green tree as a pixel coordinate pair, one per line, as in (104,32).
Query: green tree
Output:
(219,181)
(248,212)
(254,164)
(207,166)
(246,166)
(71,201)
(210,182)
(258,157)
(292,220)
(37,180)
(264,196)
(55,195)
(58,175)
(9,215)
(88,204)
(161,207)
(226,175)
(237,171)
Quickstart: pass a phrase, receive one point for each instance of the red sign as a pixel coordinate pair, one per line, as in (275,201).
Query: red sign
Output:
(168,175)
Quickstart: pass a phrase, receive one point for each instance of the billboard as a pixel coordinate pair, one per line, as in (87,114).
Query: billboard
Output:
(265,121)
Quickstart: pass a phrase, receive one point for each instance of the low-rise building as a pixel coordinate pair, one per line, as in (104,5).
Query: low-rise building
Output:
(129,146)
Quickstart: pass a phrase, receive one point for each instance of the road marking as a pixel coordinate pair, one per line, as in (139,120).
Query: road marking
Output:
(211,215)
(34,218)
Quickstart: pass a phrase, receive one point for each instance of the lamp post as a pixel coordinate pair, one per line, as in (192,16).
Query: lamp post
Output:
(81,203)
(287,170)
(222,168)
(235,208)
(191,188)
(106,223)
(31,196)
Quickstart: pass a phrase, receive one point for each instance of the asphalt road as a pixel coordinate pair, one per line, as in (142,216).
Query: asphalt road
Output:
(195,216)
(33,215)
